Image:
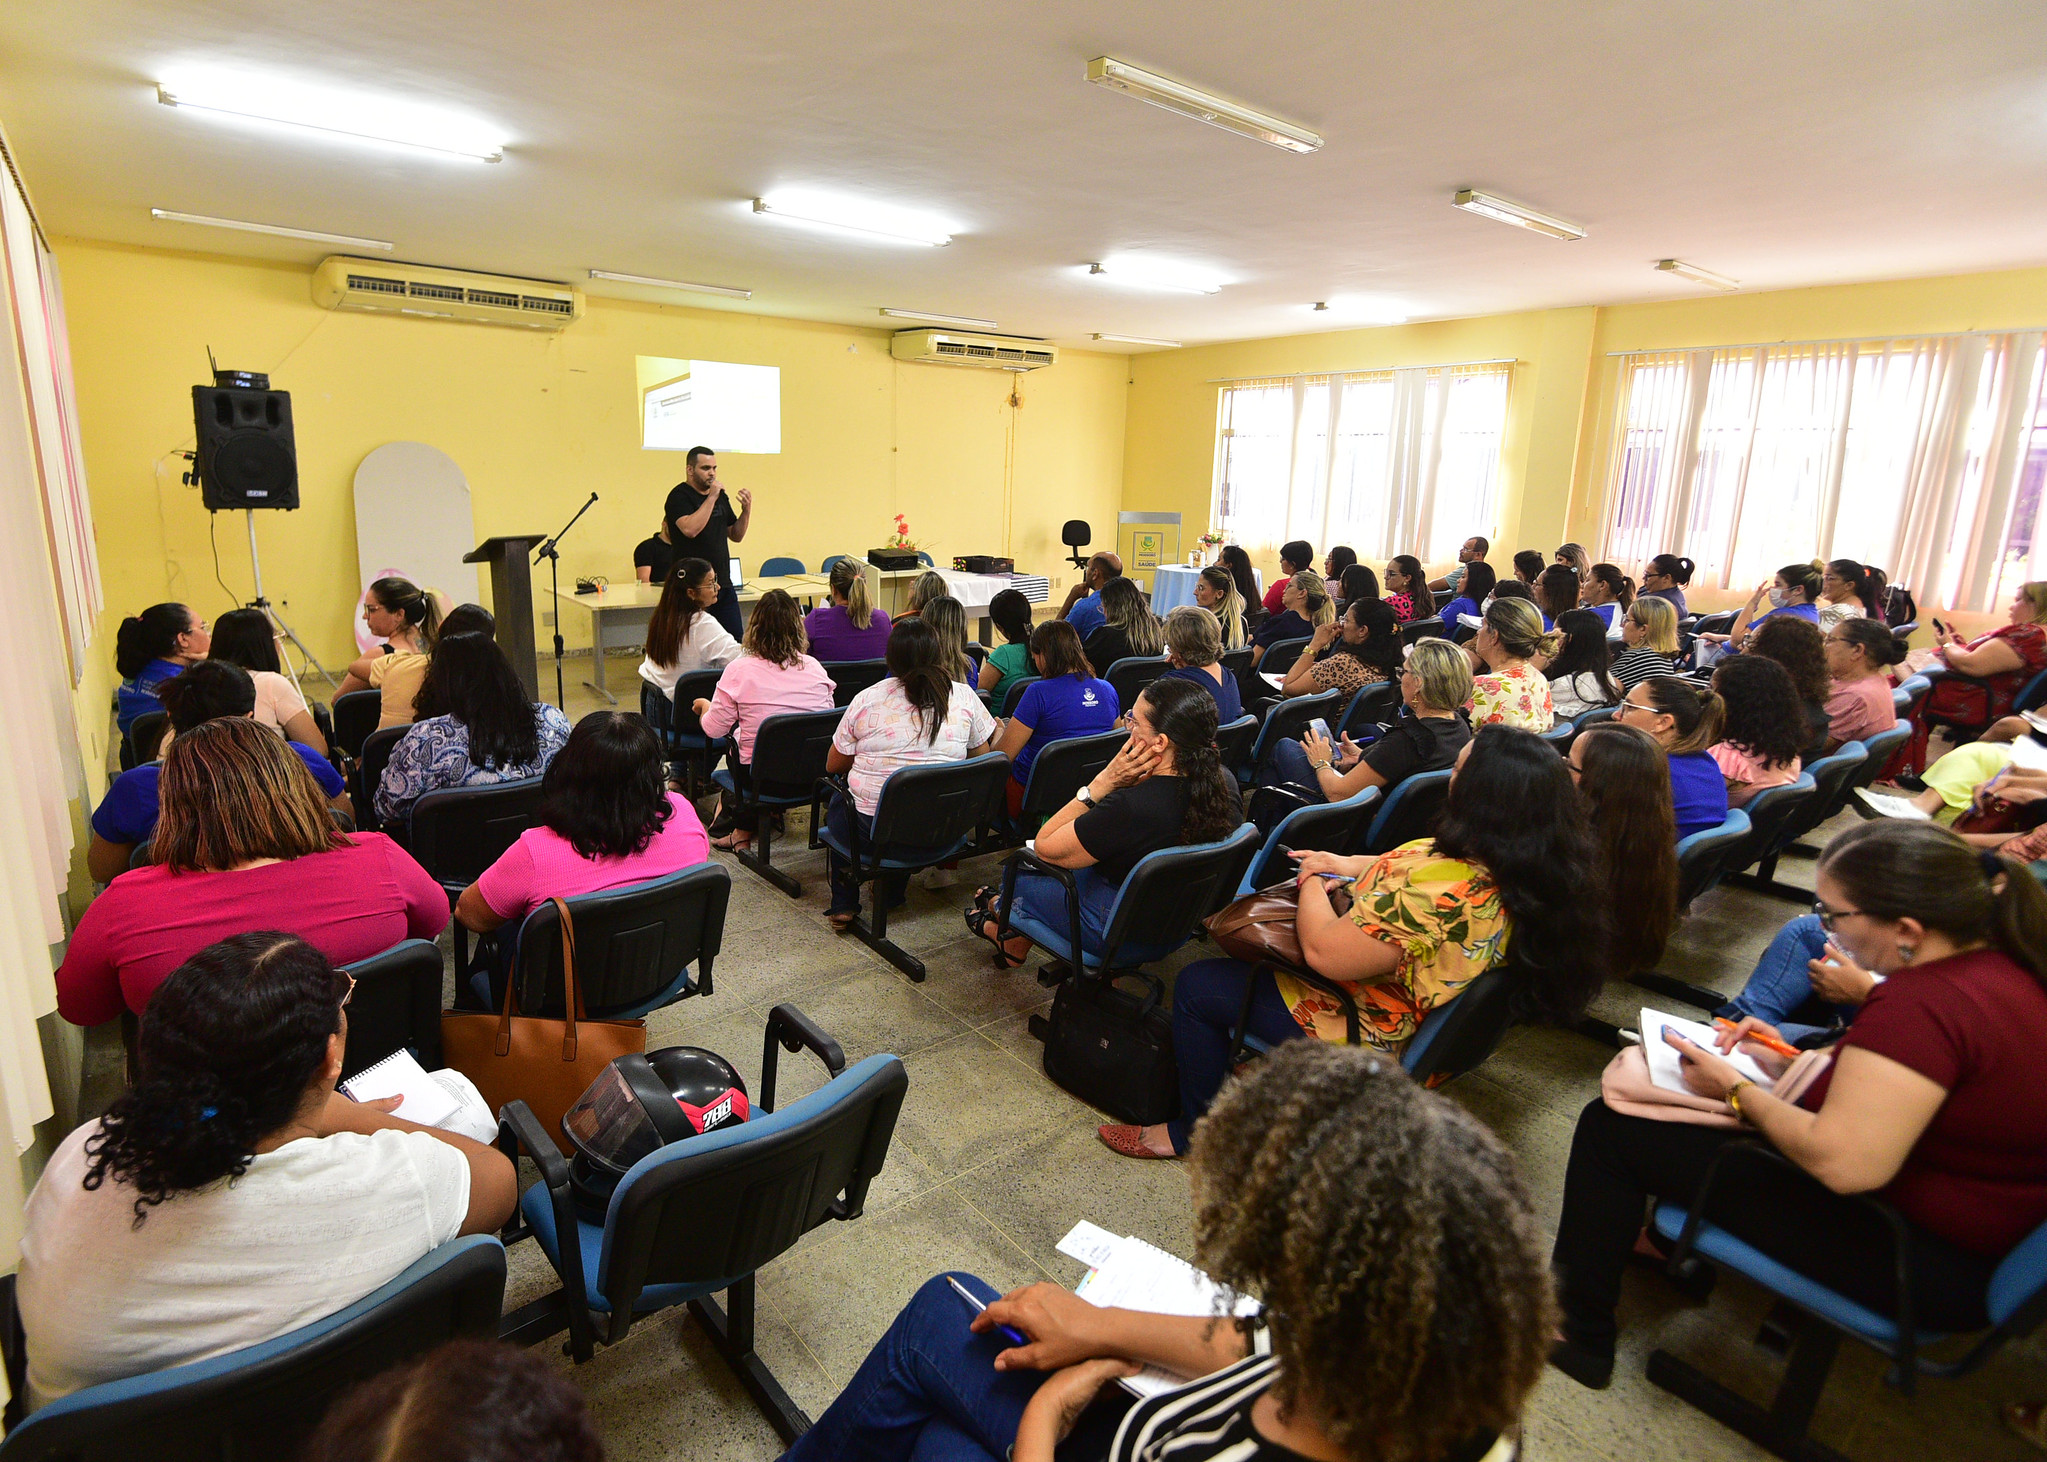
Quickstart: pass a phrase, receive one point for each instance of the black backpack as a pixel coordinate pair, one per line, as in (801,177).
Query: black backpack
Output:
(1899,606)
(1112,1048)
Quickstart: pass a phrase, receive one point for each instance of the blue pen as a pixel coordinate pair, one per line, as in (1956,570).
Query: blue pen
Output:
(968,1295)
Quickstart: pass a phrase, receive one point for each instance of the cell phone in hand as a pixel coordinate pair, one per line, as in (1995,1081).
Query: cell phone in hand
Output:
(1321,728)
(1939,628)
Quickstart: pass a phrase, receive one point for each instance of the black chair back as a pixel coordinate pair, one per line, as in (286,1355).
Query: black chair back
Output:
(1062,768)
(355,717)
(1408,811)
(145,736)
(1291,717)
(1236,662)
(324,719)
(1279,657)
(259,1405)
(632,944)
(376,755)
(789,754)
(939,804)
(1129,676)
(689,689)
(1831,775)
(1714,624)
(1013,691)
(1171,891)
(850,677)
(396,1006)
(1234,743)
(1469,1029)
(1768,812)
(1373,704)
(457,832)
(712,1215)
(1422,629)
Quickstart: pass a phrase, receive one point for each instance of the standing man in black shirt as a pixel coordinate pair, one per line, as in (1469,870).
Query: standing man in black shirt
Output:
(702,524)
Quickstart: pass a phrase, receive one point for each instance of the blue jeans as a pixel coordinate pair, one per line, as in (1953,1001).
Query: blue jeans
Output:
(1207,997)
(726,611)
(1780,990)
(1287,762)
(929,1392)
(845,892)
(1043,897)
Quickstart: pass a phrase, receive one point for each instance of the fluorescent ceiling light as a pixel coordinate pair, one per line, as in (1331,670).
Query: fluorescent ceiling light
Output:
(857,215)
(322,109)
(1138,340)
(724,289)
(1144,272)
(1697,275)
(1361,311)
(1188,101)
(966,320)
(271,228)
(1488,206)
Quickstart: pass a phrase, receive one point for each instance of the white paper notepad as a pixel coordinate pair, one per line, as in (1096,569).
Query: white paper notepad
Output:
(1129,1274)
(400,1074)
(1665,1063)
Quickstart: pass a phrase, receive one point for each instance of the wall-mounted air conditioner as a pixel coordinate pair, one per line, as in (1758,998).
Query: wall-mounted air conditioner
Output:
(383,287)
(950,347)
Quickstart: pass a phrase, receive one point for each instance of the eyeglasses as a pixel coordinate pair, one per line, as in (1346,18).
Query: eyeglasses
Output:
(348,994)
(1827,916)
(1625,706)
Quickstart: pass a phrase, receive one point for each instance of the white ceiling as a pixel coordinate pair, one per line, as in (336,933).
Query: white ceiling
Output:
(1828,141)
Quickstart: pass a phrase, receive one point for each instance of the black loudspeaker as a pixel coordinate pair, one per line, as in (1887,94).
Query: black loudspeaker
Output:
(246,455)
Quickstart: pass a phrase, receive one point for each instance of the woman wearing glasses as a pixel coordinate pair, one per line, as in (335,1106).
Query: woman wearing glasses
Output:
(1685,720)
(242,841)
(1426,736)
(137,1256)
(1932,1102)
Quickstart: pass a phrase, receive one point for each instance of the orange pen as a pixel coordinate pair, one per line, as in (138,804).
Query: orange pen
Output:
(1768,1043)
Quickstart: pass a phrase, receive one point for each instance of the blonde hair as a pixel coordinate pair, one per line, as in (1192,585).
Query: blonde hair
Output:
(849,580)
(1518,626)
(926,587)
(1193,634)
(1123,608)
(1658,620)
(948,619)
(2036,595)
(1230,613)
(1315,596)
(1442,672)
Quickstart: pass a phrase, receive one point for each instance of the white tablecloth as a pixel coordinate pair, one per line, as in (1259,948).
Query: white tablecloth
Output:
(1171,586)
(978,591)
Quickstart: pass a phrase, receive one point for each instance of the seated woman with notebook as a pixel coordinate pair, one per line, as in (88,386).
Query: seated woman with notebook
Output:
(1429,1350)
(232,1195)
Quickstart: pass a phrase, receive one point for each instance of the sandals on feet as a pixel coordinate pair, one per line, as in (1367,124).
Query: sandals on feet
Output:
(732,842)
(983,922)
(1129,1142)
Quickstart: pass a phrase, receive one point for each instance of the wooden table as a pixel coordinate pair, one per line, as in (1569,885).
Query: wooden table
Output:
(619,613)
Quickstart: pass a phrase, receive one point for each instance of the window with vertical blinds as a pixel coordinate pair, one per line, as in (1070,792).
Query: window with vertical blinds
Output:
(1924,456)
(1400,461)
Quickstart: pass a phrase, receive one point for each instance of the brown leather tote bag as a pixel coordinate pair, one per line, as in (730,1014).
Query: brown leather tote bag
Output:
(544,1063)
(1259,927)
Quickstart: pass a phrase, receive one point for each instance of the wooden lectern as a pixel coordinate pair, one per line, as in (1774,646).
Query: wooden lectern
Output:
(511,599)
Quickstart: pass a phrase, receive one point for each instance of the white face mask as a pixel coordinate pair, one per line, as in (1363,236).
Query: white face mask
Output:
(1777,597)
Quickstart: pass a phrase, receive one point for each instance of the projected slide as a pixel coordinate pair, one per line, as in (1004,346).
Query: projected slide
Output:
(712,403)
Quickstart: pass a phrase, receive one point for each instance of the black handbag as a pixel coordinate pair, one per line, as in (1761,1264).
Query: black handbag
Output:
(1112,1048)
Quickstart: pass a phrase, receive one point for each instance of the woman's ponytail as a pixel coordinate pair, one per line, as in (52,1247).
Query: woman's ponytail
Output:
(1184,714)
(150,635)
(420,609)
(848,579)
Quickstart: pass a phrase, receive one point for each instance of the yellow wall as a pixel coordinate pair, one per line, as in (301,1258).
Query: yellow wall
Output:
(537,422)
(1560,402)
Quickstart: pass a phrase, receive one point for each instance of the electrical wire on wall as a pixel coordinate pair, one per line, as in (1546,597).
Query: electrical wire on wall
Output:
(1015,404)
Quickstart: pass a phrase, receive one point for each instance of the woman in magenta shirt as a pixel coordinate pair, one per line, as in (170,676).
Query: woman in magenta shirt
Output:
(607,819)
(243,842)
(775,675)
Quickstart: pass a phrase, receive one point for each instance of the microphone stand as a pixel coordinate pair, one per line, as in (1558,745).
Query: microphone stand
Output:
(553,556)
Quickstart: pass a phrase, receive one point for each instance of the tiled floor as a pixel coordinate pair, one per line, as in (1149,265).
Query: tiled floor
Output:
(992,1163)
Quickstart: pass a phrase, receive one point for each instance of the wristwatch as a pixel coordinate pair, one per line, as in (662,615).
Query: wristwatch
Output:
(1734,1098)
(1085,796)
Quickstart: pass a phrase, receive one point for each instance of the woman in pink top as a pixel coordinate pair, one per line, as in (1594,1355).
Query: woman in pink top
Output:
(1765,726)
(607,819)
(775,675)
(1858,653)
(242,842)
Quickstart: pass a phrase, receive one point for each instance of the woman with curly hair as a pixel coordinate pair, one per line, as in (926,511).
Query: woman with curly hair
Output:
(1764,728)
(466,1401)
(1387,1235)
(1511,862)
(232,1195)
(1801,649)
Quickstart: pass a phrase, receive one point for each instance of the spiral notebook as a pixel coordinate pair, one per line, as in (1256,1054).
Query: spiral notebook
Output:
(1129,1274)
(399,1074)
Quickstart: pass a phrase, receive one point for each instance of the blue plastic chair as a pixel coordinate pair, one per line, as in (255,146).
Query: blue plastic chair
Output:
(1289,719)
(260,1402)
(2016,1301)
(925,559)
(1561,734)
(776,567)
(1372,704)
(1234,743)
(1831,775)
(638,948)
(1908,693)
(1328,827)
(706,1213)
(1407,811)
(831,559)
(789,753)
(683,741)
(1878,752)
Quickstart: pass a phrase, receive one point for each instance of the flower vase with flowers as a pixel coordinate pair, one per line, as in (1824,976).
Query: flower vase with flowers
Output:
(1211,546)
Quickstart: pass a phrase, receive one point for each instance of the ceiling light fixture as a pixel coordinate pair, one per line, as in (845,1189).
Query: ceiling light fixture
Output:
(1488,206)
(1202,106)
(1697,275)
(967,321)
(856,215)
(1142,272)
(724,289)
(1138,340)
(321,109)
(167,216)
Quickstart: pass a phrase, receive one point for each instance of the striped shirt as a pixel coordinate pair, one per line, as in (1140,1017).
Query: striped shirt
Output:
(1209,1420)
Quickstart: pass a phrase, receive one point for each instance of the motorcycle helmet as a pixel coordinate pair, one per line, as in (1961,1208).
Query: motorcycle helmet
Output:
(639,1104)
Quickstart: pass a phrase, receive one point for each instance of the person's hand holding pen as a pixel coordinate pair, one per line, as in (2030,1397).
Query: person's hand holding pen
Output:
(1759,1040)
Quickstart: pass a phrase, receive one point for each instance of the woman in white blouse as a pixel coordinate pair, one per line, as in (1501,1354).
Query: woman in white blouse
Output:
(683,636)
(1847,591)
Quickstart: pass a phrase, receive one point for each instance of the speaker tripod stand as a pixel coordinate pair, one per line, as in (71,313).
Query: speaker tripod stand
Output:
(278,624)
